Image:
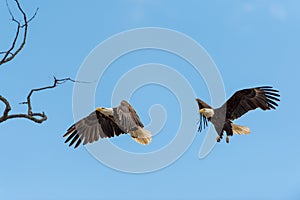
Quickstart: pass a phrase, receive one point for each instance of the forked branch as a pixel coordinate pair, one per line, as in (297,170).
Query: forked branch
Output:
(14,49)
(35,117)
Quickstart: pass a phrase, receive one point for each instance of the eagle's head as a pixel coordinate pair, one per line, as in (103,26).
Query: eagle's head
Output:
(106,111)
(207,112)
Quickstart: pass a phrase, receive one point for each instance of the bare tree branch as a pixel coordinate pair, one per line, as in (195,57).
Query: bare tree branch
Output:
(14,49)
(9,55)
(36,117)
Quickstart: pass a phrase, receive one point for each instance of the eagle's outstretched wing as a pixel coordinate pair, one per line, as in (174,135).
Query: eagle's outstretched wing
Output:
(245,100)
(203,119)
(91,128)
(126,117)
(128,121)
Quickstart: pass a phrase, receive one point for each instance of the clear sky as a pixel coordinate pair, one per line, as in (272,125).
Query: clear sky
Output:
(253,43)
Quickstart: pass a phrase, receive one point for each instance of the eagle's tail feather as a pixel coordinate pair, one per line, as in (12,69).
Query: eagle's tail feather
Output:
(237,129)
(141,136)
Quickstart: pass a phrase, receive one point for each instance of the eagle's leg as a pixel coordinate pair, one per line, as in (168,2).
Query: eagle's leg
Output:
(219,137)
(228,130)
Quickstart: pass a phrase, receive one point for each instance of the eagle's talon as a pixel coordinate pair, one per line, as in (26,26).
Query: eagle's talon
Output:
(227,139)
(218,139)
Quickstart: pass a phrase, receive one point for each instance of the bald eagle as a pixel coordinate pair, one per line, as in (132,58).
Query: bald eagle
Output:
(107,123)
(237,105)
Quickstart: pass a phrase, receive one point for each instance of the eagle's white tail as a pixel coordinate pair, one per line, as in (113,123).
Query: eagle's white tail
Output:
(141,136)
(237,129)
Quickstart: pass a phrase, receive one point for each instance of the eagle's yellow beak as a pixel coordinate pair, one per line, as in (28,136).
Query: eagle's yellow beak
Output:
(201,111)
(99,109)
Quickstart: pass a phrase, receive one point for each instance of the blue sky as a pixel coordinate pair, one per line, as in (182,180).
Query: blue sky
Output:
(253,43)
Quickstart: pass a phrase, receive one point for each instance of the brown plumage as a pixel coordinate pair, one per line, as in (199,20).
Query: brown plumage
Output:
(107,123)
(237,105)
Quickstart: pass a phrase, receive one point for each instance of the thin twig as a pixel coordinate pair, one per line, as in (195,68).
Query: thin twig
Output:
(4,52)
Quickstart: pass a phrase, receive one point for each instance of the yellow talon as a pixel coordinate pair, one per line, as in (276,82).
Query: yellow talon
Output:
(227,139)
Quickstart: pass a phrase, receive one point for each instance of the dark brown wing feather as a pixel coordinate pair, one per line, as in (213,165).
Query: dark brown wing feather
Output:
(203,120)
(126,117)
(92,128)
(249,99)
(202,104)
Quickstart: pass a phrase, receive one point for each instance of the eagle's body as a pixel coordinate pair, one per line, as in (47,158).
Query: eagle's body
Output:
(240,103)
(107,123)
